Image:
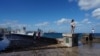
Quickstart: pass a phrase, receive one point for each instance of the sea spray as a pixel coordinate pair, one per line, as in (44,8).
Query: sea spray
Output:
(4,43)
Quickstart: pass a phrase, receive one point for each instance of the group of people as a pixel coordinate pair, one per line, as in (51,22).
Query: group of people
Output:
(73,26)
(36,35)
(90,38)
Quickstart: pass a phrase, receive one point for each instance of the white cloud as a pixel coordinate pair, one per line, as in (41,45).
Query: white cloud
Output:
(96,13)
(96,25)
(2,25)
(19,25)
(79,24)
(86,21)
(62,21)
(87,15)
(12,23)
(42,24)
(76,22)
(88,4)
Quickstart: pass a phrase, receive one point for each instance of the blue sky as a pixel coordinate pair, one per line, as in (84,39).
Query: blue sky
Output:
(52,15)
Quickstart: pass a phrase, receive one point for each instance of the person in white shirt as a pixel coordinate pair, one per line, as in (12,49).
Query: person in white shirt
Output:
(72,26)
(92,30)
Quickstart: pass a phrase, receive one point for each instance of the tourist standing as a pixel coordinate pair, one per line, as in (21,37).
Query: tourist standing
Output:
(38,35)
(72,26)
(90,36)
(34,35)
(92,30)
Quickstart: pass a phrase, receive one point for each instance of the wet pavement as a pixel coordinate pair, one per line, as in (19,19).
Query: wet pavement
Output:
(89,49)
(19,46)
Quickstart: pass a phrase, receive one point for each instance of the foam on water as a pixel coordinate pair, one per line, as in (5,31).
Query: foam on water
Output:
(4,43)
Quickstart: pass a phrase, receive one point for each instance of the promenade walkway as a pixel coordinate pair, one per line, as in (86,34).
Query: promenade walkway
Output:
(90,49)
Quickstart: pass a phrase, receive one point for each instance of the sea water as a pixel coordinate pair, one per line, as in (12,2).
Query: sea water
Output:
(59,35)
(52,35)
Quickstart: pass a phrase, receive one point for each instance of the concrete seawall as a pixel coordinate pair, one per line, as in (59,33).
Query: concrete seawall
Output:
(18,41)
(89,37)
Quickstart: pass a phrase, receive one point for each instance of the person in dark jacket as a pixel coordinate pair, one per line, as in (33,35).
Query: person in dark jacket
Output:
(38,35)
(34,35)
(90,37)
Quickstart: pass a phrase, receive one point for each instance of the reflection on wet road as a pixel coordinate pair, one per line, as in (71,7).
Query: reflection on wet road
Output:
(90,49)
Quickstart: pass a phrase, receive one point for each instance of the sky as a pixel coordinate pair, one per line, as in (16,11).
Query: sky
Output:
(54,15)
